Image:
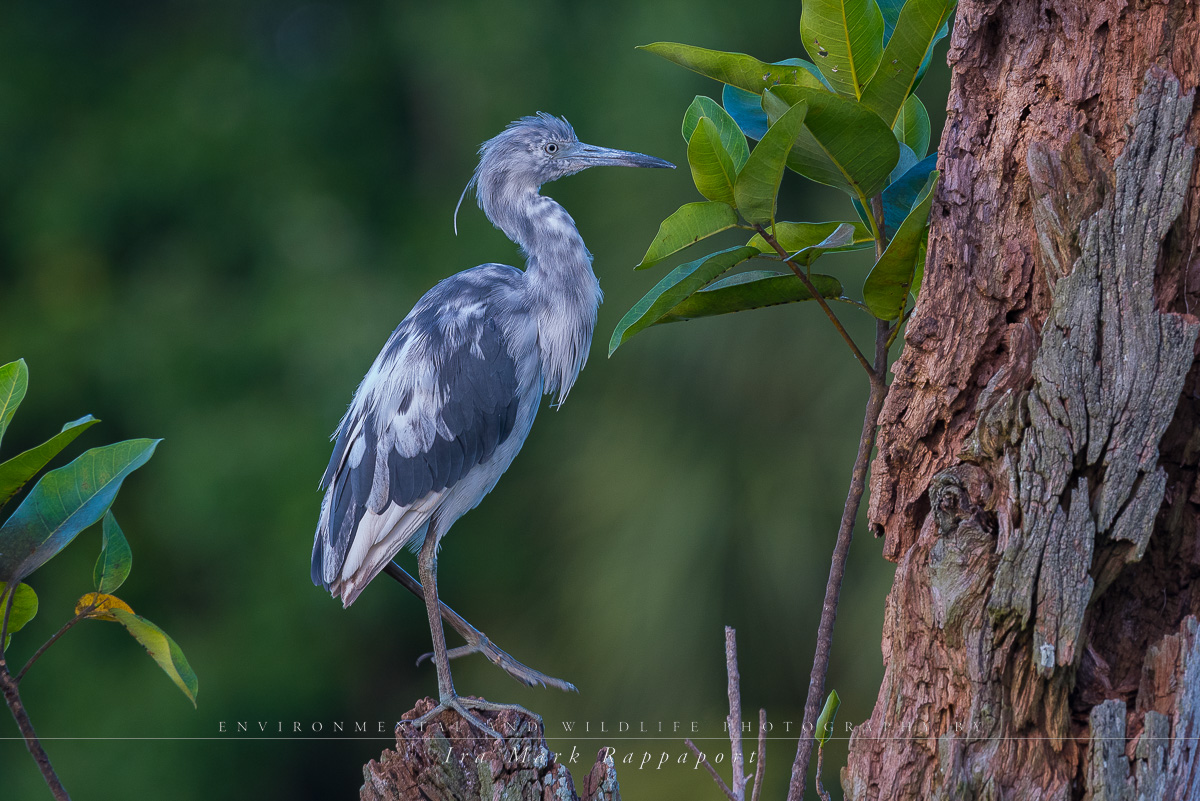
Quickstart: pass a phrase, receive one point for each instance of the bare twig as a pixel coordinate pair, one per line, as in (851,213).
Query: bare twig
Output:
(808,284)
(51,641)
(716,777)
(821,791)
(734,721)
(761,770)
(837,570)
(13,698)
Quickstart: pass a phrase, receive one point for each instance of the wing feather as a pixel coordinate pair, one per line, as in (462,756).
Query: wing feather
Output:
(439,400)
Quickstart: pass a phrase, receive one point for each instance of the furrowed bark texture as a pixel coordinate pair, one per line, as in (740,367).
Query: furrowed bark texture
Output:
(1037,474)
(449,760)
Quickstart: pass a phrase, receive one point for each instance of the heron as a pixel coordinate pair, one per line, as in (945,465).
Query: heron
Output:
(451,397)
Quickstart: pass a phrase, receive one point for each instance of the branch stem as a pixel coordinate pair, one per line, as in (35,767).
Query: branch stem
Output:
(808,284)
(716,777)
(734,721)
(66,627)
(837,570)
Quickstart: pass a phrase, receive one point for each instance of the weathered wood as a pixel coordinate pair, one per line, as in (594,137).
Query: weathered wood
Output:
(448,760)
(1037,478)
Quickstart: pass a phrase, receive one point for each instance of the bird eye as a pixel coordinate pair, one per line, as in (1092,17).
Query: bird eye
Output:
(551,148)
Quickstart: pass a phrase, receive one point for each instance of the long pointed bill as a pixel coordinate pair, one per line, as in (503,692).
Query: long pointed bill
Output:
(593,156)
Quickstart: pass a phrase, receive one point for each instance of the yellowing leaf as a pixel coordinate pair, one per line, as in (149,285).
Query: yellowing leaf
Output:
(163,650)
(100,606)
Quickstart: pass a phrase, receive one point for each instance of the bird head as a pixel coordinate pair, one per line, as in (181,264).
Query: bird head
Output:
(536,150)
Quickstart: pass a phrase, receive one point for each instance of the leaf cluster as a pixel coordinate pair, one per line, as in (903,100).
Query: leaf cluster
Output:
(60,505)
(847,118)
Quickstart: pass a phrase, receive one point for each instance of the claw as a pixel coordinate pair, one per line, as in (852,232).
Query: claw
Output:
(463,707)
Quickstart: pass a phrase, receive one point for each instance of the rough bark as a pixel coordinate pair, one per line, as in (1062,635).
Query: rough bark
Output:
(1037,474)
(450,761)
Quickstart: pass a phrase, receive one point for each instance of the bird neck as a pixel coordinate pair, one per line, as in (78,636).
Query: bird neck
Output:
(562,292)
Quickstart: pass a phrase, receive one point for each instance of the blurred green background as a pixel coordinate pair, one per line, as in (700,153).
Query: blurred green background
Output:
(213,215)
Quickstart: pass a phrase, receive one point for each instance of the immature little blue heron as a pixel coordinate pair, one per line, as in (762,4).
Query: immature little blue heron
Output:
(452,395)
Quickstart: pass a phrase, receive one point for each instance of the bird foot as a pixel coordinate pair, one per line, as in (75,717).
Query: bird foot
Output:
(463,707)
(480,644)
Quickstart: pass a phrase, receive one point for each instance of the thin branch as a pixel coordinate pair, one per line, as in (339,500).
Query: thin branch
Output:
(13,698)
(716,777)
(837,570)
(48,643)
(734,721)
(808,284)
(821,791)
(761,771)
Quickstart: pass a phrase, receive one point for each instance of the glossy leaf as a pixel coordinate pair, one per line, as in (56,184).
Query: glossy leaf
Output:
(910,46)
(713,170)
(115,560)
(731,135)
(919,271)
(689,224)
(14,381)
(755,289)
(887,286)
(162,649)
(845,40)
(678,284)
(736,69)
(890,10)
(758,182)
(901,194)
(912,126)
(746,107)
(17,471)
(841,143)
(805,242)
(908,159)
(64,502)
(824,727)
(100,606)
(24,607)
(746,110)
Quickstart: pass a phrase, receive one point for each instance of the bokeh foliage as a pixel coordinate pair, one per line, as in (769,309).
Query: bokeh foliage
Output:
(212,217)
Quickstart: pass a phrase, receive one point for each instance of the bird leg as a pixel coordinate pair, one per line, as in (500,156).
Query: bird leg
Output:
(477,641)
(447,698)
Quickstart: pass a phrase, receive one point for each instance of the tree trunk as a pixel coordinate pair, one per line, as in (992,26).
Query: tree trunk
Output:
(1037,475)
(449,760)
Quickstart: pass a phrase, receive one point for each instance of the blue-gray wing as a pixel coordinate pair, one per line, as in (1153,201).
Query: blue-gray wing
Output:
(440,398)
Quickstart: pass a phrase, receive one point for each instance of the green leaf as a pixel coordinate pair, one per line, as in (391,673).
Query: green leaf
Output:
(845,39)
(18,470)
(24,607)
(806,242)
(712,167)
(115,561)
(14,380)
(886,289)
(731,135)
(735,69)
(912,126)
(678,284)
(841,144)
(912,41)
(758,182)
(755,289)
(64,502)
(824,728)
(162,649)
(689,224)
(919,270)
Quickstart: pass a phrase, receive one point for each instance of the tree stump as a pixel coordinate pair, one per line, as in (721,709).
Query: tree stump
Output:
(449,760)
